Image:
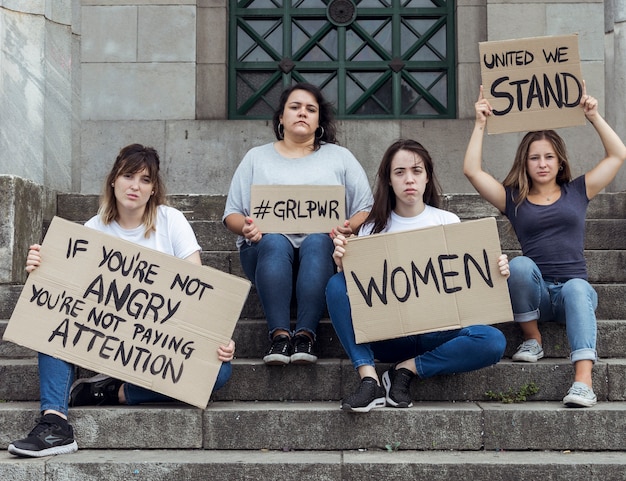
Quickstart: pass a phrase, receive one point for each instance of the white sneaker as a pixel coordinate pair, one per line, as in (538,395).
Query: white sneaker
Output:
(580,396)
(528,351)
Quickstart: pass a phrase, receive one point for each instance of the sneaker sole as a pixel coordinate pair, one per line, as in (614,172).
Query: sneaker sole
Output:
(578,402)
(526,357)
(303,358)
(391,402)
(65,449)
(276,360)
(376,403)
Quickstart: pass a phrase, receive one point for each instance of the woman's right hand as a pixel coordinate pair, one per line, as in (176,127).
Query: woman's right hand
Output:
(483,108)
(340,243)
(250,230)
(34,258)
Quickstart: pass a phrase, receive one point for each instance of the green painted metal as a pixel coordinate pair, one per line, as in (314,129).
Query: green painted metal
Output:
(374,59)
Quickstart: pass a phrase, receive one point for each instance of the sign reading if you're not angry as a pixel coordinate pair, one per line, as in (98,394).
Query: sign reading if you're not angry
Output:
(297,209)
(426,280)
(129,312)
(532,83)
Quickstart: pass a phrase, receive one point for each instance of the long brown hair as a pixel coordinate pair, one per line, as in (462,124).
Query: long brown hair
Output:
(327,128)
(384,197)
(518,177)
(132,159)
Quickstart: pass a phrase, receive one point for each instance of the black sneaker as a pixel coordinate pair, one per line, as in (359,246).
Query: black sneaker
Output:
(52,435)
(397,383)
(369,395)
(279,351)
(302,350)
(95,391)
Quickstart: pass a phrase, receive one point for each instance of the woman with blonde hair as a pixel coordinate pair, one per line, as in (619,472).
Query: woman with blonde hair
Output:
(547,211)
(132,208)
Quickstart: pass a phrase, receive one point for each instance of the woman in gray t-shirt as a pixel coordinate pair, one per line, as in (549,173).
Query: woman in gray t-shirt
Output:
(305,153)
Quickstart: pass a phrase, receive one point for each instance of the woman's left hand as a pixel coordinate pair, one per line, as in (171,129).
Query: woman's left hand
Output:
(346,230)
(589,104)
(503,265)
(226,353)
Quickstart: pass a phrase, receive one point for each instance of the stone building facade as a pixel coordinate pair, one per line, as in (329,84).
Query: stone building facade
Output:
(81,78)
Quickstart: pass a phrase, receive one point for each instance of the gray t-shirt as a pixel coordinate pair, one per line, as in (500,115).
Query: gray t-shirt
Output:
(553,236)
(330,165)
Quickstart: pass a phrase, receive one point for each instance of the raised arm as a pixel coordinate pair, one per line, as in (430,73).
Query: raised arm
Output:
(485,184)
(606,170)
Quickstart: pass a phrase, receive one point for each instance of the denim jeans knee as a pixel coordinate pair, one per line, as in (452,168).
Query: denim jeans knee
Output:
(528,292)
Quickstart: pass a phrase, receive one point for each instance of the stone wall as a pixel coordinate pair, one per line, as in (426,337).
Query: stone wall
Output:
(79,79)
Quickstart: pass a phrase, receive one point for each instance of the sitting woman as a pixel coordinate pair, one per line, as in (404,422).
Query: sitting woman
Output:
(132,208)
(406,196)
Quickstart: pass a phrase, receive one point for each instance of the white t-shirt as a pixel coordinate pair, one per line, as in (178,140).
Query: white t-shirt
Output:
(173,235)
(429,217)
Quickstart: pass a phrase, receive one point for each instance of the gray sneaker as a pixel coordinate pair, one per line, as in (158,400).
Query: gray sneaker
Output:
(580,396)
(528,351)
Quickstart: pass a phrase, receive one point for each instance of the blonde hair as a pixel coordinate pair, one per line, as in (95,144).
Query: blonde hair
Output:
(132,159)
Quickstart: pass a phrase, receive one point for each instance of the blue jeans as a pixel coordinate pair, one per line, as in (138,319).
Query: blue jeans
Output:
(56,377)
(572,303)
(444,352)
(273,263)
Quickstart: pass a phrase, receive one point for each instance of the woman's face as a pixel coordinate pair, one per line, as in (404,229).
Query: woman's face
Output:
(133,191)
(408,180)
(542,163)
(300,117)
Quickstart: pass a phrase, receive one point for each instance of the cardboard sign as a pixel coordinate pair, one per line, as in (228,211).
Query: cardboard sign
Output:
(297,209)
(532,83)
(132,313)
(426,280)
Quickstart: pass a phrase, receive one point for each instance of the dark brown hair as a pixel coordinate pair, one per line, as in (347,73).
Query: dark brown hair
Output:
(326,115)
(385,198)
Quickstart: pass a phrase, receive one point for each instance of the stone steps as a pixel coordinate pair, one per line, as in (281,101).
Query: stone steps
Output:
(333,379)
(321,426)
(245,465)
(285,423)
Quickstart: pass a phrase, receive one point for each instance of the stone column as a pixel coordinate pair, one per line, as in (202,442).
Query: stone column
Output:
(616,77)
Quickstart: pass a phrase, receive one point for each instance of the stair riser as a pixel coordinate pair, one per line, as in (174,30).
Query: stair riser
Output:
(322,426)
(331,380)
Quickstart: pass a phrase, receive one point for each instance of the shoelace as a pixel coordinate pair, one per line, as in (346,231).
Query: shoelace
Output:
(527,346)
(41,426)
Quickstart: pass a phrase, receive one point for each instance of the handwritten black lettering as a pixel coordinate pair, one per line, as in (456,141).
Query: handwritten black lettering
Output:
(131,301)
(126,265)
(69,305)
(400,282)
(296,209)
(507,59)
(558,56)
(74,247)
(565,91)
(190,286)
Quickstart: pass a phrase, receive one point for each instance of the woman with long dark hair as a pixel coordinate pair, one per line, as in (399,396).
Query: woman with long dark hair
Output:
(406,197)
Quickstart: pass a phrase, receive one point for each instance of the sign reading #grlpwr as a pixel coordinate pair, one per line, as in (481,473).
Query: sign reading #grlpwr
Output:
(532,83)
(297,209)
(133,313)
